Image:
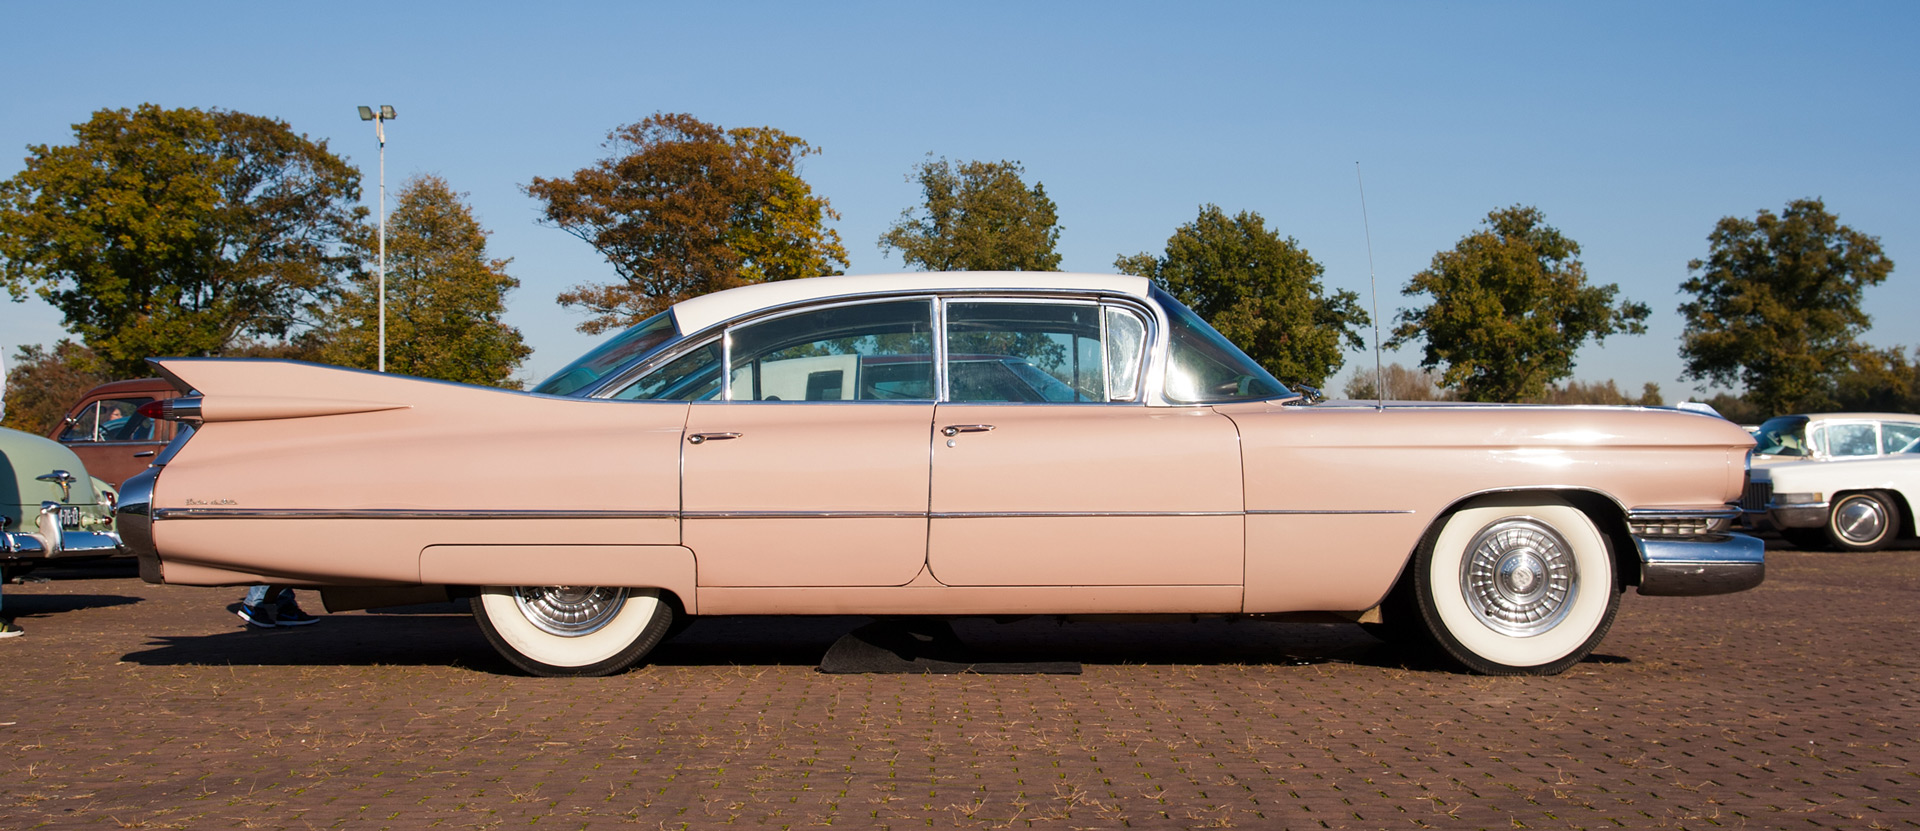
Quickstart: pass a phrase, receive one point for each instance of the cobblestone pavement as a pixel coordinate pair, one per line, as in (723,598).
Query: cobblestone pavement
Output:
(137,706)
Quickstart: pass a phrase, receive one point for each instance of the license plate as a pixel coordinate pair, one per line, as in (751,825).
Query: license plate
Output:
(70,517)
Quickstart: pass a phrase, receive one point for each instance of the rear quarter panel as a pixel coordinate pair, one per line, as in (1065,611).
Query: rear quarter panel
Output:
(458,451)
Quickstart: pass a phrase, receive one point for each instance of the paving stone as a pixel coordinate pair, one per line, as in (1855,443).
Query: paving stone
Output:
(1794,705)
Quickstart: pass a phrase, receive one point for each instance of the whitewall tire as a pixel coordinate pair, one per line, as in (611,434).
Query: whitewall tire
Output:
(1863,521)
(1516,589)
(572,630)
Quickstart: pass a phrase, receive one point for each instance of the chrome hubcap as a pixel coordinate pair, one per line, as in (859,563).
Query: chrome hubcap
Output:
(1518,577)
(1860,520)
(569,611)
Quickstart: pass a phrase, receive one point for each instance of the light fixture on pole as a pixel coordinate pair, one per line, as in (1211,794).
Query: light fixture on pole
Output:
(380,118)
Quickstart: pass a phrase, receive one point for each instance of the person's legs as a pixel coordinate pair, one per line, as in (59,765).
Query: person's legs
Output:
(7,627)
(287,611)
(255,609)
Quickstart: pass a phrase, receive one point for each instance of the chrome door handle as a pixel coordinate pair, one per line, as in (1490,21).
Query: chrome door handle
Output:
(698,438)
(957,429)
(143,454)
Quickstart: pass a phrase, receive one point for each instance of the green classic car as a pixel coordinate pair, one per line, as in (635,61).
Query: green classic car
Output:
(50,507)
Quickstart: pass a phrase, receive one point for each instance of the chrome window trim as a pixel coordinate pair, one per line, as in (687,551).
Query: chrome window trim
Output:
(121,443)
(1150,312)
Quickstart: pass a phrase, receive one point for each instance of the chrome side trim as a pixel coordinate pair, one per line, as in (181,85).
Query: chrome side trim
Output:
(1006,514)
(803,515)
(396,513)
(158,514)
(1337,511)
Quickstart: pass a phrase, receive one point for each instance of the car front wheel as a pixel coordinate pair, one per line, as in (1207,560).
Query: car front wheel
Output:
(1861,522)
(572,630)
(1516,588)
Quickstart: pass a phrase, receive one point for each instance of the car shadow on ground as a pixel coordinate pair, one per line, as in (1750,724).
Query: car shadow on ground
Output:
(336,640)
(444,635)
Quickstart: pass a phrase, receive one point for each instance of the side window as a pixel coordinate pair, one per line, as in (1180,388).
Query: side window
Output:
(1899,438)
(1126,352)
(865,352)
(1852,440)
(694,376)
(115,419)
(1029,352)
(85,426)
(1204,367)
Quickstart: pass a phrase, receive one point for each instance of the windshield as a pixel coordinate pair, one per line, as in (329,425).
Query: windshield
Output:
(1782,436)
(644,337)
(1204,367)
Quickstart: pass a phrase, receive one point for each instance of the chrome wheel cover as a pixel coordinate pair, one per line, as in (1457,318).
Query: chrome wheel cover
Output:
(569,611)
(1518,577)
(1860,520)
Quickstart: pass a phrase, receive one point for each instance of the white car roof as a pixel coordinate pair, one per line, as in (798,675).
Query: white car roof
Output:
(701,312)
(1906,417)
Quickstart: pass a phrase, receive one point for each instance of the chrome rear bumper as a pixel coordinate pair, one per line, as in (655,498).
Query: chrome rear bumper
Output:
(51,541)
(1709,564)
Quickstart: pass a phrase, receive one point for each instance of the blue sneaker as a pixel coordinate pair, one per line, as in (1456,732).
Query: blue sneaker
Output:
(289,614)
(262,616)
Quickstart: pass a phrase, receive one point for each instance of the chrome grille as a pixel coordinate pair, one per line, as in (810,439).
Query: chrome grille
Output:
(1678,526)
(1756,497)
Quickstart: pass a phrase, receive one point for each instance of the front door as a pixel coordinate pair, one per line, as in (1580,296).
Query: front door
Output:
(1047,471)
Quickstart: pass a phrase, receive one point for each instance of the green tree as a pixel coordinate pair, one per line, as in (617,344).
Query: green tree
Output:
(1776,305)
(1882,380)
(1510,306)
(444,296)
(178,231)
(1260,290)
(42,384)
(978,216)
(1579,393)
(681,208)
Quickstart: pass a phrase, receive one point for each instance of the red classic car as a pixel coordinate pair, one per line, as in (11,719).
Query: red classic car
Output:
(105,429)
(821,447)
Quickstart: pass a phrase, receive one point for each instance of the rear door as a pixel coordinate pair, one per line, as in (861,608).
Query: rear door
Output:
(811,469)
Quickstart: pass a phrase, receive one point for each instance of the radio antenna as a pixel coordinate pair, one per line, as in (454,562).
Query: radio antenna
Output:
(1373,285)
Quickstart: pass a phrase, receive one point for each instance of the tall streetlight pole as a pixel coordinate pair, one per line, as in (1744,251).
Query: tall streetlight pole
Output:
(379,119)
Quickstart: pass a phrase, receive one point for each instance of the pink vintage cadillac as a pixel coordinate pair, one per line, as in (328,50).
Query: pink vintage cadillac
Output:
(933,444)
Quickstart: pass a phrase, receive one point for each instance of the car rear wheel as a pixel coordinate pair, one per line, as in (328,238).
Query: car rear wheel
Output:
(572,630)
(1516,588)
(1861,522)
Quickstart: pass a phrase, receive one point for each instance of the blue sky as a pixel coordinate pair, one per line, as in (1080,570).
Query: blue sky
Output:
(1634,127)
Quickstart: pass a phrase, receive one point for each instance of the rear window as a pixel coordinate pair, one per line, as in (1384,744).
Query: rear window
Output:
(645,337)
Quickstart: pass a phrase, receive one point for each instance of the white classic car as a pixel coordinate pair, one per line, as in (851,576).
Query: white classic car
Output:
(1836,480)
(933,444)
